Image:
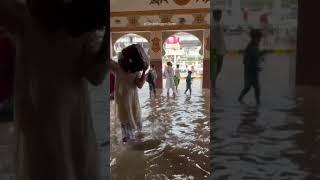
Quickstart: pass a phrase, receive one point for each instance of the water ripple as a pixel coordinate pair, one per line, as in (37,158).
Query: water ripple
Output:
(181,125)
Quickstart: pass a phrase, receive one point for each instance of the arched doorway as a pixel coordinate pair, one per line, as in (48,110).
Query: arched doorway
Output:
(128,39)
(184,49)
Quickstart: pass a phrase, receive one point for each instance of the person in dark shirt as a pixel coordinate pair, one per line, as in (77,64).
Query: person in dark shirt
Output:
(251,61)
(151,79)
(188,81)
(7,61)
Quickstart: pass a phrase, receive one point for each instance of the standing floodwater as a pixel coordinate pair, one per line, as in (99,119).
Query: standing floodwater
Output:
(279,140)
(176,138)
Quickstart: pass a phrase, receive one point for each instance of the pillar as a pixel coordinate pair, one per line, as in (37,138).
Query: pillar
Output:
(308,64)
(212,81)
(236,11)
(276,12)
(111,46)
(307,76)
(206,59)
(156,55)
(293,57)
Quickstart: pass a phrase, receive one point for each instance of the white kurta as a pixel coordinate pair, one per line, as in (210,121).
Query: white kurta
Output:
(56,139)
(127,99)
(169,74)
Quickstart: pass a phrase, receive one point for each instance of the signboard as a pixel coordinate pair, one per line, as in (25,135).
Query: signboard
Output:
(175,52)
(173,40)
(173,46)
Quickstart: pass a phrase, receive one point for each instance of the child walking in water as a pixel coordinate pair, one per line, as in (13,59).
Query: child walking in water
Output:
(188,81)
(251,61)
(127,100)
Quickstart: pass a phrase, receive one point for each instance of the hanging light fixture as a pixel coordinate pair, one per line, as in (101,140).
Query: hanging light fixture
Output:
(205,1)
(180,2)
(158,1)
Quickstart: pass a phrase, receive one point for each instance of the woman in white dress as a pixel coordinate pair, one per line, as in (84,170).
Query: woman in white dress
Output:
(169,75)
(55,135)
(127,100)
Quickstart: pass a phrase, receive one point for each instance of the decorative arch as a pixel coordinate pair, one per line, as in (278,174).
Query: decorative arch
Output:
(116,36)
(198,34)
(199,61)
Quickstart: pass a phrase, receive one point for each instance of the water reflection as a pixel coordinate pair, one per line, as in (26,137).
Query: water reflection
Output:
(278,140)
(176,140)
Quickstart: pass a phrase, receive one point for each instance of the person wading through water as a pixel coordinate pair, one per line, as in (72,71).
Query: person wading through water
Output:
(251,61)
(151,79)
(169,75)
(177,77)
(218,41)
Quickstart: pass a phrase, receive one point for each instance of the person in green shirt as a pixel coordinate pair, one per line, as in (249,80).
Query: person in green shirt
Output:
(218,43)
(218,49)
(177,77)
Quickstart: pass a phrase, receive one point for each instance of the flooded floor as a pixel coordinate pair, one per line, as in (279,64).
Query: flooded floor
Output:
(278,140)
(99,112)
(176,142)
(6,149)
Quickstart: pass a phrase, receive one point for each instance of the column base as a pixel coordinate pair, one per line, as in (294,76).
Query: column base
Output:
(206,74)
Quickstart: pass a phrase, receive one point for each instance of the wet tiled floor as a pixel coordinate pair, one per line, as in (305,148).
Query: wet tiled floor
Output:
(176,142)
(278,140)
(6,149)
(100,113)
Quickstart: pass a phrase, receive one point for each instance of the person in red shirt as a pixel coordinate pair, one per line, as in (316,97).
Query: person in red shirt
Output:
(264,19)
(7,60)
(245,14)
